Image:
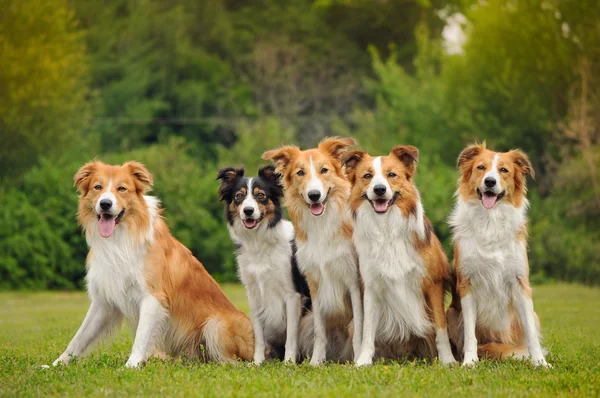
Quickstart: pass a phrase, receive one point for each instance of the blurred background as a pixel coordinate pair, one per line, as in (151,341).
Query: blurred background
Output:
(189,86)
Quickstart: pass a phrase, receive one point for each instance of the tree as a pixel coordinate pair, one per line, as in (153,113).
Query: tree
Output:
(43,85)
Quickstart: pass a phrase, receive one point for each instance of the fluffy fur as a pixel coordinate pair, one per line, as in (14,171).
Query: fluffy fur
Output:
(276,290)
(402,263)
(492,304)
(316,194)
(137,271)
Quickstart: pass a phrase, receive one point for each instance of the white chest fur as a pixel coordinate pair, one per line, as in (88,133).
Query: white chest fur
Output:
(328,257)
(264,260)
(392,269)
(491,256)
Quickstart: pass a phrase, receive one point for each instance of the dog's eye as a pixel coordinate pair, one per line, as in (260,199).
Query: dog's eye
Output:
(300,173)
(122,189)
(98,187)
(368,176)
(260,196)
(481,167)
(391,174)
(324,170)
(239,196)
(504,170)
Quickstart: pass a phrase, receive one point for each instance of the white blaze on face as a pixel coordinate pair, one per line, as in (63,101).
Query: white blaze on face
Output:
(107,218)
(109,196)
(489,195)
(249,220)
(380,202)
(315,183)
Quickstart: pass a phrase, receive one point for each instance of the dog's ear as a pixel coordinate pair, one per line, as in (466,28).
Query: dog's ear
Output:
(522,162)
(269,173)
(466,157)
(227,175)
(350,160)
(282,156)
(81,178)
(143,178)
(409,156)
(336,146)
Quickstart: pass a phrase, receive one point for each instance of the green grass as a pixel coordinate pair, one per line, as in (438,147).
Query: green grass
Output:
(36,327)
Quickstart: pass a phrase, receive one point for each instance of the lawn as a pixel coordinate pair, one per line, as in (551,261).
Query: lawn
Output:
(36,327)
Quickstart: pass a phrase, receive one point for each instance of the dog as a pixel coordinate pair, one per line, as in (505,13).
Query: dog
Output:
(493,299)
(266,255)
(316,195)
(402,263)
(137,271)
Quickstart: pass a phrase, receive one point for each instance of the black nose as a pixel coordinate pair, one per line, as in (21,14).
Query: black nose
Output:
(489,182)
(314,195)
(248,211)
(105,204)
(379,189)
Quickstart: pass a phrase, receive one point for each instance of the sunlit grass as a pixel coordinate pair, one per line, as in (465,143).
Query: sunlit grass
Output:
(36,327)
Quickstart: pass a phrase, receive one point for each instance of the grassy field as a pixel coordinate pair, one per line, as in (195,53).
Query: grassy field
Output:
(36,327)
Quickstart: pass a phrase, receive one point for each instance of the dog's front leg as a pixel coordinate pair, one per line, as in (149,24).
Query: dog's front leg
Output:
(293,311)
(357,313)
(469,322)
(442,341)
(524,306)
(153,318)
(259,339)
(99,321)
(370,329)
(320,347)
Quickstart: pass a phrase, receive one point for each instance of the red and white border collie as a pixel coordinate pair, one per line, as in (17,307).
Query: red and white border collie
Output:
(402,263)
(489,223)
(316,194)
(138,272)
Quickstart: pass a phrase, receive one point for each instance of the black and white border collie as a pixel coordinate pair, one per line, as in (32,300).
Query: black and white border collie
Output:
(277,293)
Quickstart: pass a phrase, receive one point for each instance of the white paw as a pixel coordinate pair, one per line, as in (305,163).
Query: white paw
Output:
(45,367)
(364,360)
(447,360)
(257,362)
(133,363)
(64,359)
(317,360)
(470,360)
(289,359)
(542,362)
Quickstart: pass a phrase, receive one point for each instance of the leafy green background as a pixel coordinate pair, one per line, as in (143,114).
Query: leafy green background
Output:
(189,86)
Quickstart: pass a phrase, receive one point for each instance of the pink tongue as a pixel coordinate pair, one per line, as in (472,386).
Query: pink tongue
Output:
(249,223)
(488,201)
(316,209)
(381,206)
(107,226)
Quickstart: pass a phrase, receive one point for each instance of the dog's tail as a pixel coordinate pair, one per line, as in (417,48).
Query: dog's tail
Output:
(229,337)
(502,351)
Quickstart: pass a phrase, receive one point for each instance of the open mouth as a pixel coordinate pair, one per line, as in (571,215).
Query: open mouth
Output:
(317,209)
(489,198)
(251,223)
(382,205)
(107,223)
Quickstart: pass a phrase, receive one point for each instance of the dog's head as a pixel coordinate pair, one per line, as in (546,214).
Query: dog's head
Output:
(491,176)
(112,195)
(383,181)
(313,177)
(251,200)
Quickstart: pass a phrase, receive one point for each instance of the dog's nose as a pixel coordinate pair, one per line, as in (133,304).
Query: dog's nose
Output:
(379,189)
(248,211)
(105,204)
(489,182)
(314,195)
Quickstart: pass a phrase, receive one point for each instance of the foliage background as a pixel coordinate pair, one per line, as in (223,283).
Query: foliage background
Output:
(189,86)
